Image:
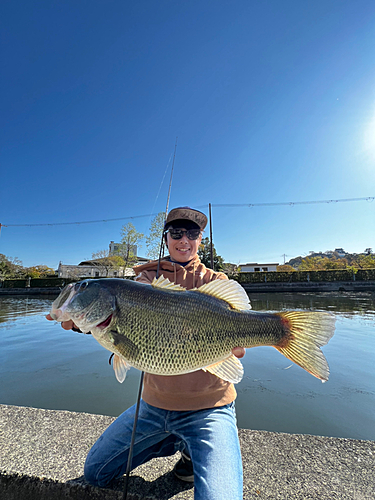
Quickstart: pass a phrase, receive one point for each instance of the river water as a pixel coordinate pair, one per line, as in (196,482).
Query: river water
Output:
(44,366)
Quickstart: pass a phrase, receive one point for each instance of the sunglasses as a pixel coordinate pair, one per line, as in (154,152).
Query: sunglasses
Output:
(177,234)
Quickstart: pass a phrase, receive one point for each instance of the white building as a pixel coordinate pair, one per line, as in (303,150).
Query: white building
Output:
(340,252)
(257,268)
(91,271)
(115,248)
(96,268)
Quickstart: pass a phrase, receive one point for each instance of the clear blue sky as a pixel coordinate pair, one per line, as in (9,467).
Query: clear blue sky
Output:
(271,102)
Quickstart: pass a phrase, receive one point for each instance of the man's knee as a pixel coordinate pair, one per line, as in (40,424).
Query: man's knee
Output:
(91,473)
(95,474)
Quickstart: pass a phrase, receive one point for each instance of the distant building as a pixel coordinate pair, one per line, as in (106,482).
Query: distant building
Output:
(340,252)
(257,268)
(97,268)
(115,248)
(92,270)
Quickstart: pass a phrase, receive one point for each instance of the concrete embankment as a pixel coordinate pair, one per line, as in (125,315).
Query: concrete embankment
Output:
(317,287)
(28,291)
(42,453)
(265,287)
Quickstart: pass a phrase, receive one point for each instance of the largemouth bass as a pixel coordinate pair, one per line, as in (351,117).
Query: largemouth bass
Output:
(165,329)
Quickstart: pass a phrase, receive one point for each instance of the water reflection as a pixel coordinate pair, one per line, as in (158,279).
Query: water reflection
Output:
(343,302)
(14,307)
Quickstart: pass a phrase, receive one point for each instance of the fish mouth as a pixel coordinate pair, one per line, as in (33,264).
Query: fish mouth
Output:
(105,323)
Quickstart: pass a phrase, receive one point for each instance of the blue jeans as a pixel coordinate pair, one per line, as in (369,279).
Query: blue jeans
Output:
(210,436)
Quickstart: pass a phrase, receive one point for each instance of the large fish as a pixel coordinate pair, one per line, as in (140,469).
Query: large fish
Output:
(167,330)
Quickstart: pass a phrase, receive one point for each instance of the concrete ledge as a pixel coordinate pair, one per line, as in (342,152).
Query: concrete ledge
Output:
(30,291)
(42,453)
(311,286)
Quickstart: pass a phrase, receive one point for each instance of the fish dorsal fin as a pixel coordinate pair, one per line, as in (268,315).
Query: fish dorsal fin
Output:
(228,290)
(165,284)
(120,367)
(230,369)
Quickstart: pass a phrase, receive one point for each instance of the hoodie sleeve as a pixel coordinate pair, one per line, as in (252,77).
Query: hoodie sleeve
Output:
(220,276)
(145,277)
(211,275)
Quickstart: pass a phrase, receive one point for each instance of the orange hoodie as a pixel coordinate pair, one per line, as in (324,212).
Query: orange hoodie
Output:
(192,391)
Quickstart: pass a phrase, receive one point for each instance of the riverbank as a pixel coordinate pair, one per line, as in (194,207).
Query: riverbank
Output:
(42,453)
(317,287)
(53,291)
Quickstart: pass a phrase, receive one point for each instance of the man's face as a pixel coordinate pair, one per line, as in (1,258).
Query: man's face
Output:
(184,249)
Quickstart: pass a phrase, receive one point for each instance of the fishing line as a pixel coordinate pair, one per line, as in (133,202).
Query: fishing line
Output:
(131,447)
(288,203)
(162,182)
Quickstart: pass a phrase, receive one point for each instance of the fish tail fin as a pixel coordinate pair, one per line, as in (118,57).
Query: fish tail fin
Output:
(306,332)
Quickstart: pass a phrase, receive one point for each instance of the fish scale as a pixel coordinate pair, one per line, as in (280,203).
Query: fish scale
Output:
(166,330)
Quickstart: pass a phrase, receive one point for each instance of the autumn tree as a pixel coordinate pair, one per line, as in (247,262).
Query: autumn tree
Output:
(153,240)
(40,271)
(106,262)
(285,268)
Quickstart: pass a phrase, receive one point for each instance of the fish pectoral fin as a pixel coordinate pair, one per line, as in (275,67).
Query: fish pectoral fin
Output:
(165,284)
(120,367)
(123,345)
(230,369)
(229,290)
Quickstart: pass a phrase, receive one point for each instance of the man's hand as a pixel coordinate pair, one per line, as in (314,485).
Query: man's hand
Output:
(239,352)
(67,325)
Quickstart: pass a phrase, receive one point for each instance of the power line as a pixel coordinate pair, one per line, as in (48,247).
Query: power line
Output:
(214,205)
(290,203)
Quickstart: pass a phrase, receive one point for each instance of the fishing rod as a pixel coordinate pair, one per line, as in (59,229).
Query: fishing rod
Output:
(211,244)
(132,440)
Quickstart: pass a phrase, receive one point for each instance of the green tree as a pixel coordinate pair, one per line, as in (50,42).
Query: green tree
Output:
(130,239)
(204,253)
(153,240)
(231,270)
(322,263)
(11,267)
(308,264)
(366,261)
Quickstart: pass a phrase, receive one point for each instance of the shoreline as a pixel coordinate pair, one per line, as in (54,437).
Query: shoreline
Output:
(317,287)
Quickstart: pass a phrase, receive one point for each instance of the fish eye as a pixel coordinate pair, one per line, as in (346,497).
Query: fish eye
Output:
(79,287)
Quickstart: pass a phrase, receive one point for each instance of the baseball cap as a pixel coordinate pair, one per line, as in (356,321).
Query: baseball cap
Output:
(186,213)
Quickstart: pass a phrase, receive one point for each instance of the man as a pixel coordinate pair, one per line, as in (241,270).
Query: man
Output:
(192,413)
